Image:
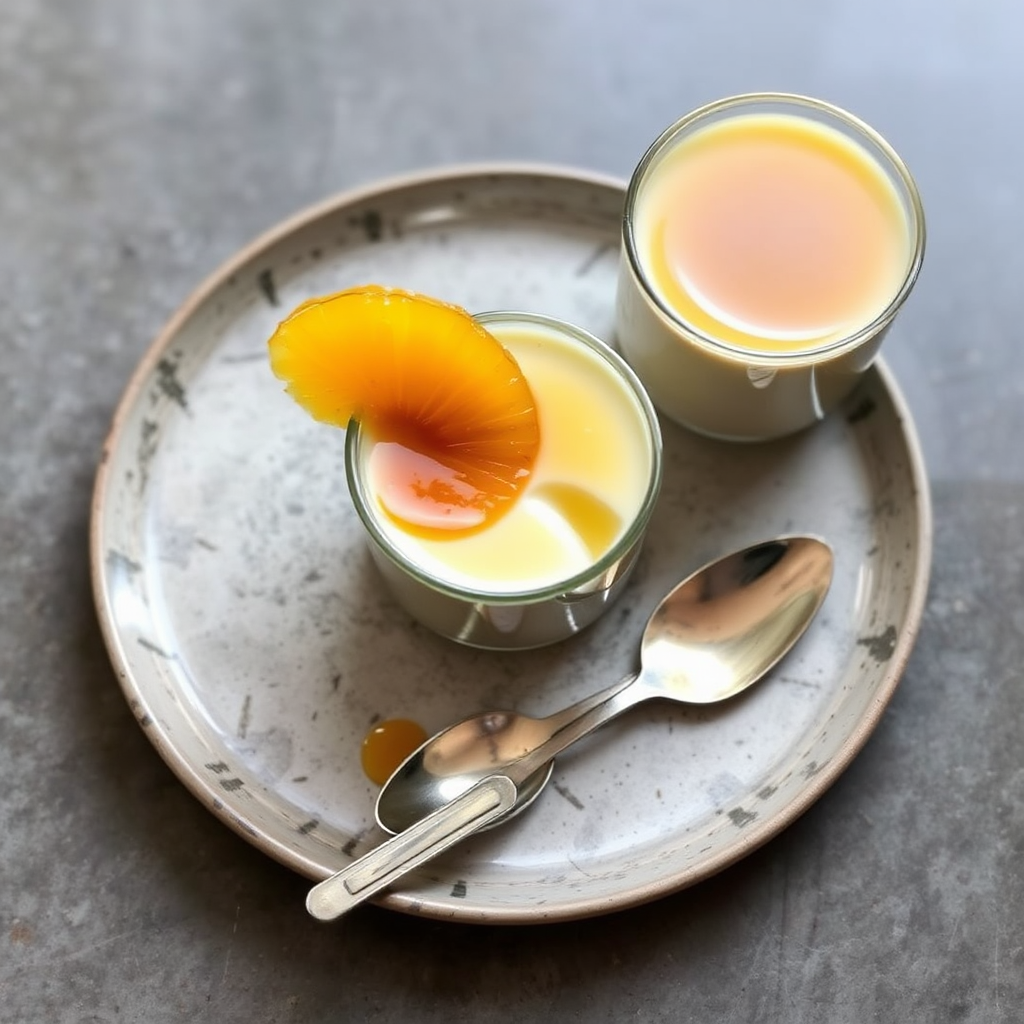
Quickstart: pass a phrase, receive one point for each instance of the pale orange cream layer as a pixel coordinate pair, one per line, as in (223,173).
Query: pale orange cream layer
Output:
(769,231)
(588,480)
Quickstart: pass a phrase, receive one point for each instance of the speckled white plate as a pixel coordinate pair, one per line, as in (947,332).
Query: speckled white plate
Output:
(257,646)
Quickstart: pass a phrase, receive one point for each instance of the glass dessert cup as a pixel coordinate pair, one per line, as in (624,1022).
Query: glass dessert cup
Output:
(500,613)
(752,390)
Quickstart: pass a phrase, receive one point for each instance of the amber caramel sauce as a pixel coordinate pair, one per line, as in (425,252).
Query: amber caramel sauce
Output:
(587,483)
(387,745)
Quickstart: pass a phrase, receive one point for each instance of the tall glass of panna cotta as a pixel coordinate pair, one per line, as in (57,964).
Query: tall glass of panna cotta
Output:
(550,564)
(769,241)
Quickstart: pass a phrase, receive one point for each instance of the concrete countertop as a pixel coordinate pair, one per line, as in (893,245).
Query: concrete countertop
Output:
(143,144)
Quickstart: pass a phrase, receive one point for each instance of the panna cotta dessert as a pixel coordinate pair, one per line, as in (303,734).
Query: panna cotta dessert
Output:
(506,480)
(769,241)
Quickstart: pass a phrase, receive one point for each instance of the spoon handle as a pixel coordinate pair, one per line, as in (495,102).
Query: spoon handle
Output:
(600,707)
(472,811)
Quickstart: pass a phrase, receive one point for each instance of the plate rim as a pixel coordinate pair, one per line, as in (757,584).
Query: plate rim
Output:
(410,902)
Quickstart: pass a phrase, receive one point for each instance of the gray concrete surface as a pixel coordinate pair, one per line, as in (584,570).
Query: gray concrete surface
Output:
(141,143)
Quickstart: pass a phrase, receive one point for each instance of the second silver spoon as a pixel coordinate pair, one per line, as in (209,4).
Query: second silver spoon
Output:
(714,635)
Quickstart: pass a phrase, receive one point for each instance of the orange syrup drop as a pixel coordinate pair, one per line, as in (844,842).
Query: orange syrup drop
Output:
(453,420)
(387,745)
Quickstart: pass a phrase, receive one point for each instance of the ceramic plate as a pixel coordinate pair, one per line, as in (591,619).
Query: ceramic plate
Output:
(257,646)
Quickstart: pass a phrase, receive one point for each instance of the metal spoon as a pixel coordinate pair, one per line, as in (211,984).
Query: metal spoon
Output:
(696,649)
(712,636)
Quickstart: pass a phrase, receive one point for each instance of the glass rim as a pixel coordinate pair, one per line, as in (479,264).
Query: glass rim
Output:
(878,146)
(630,537)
